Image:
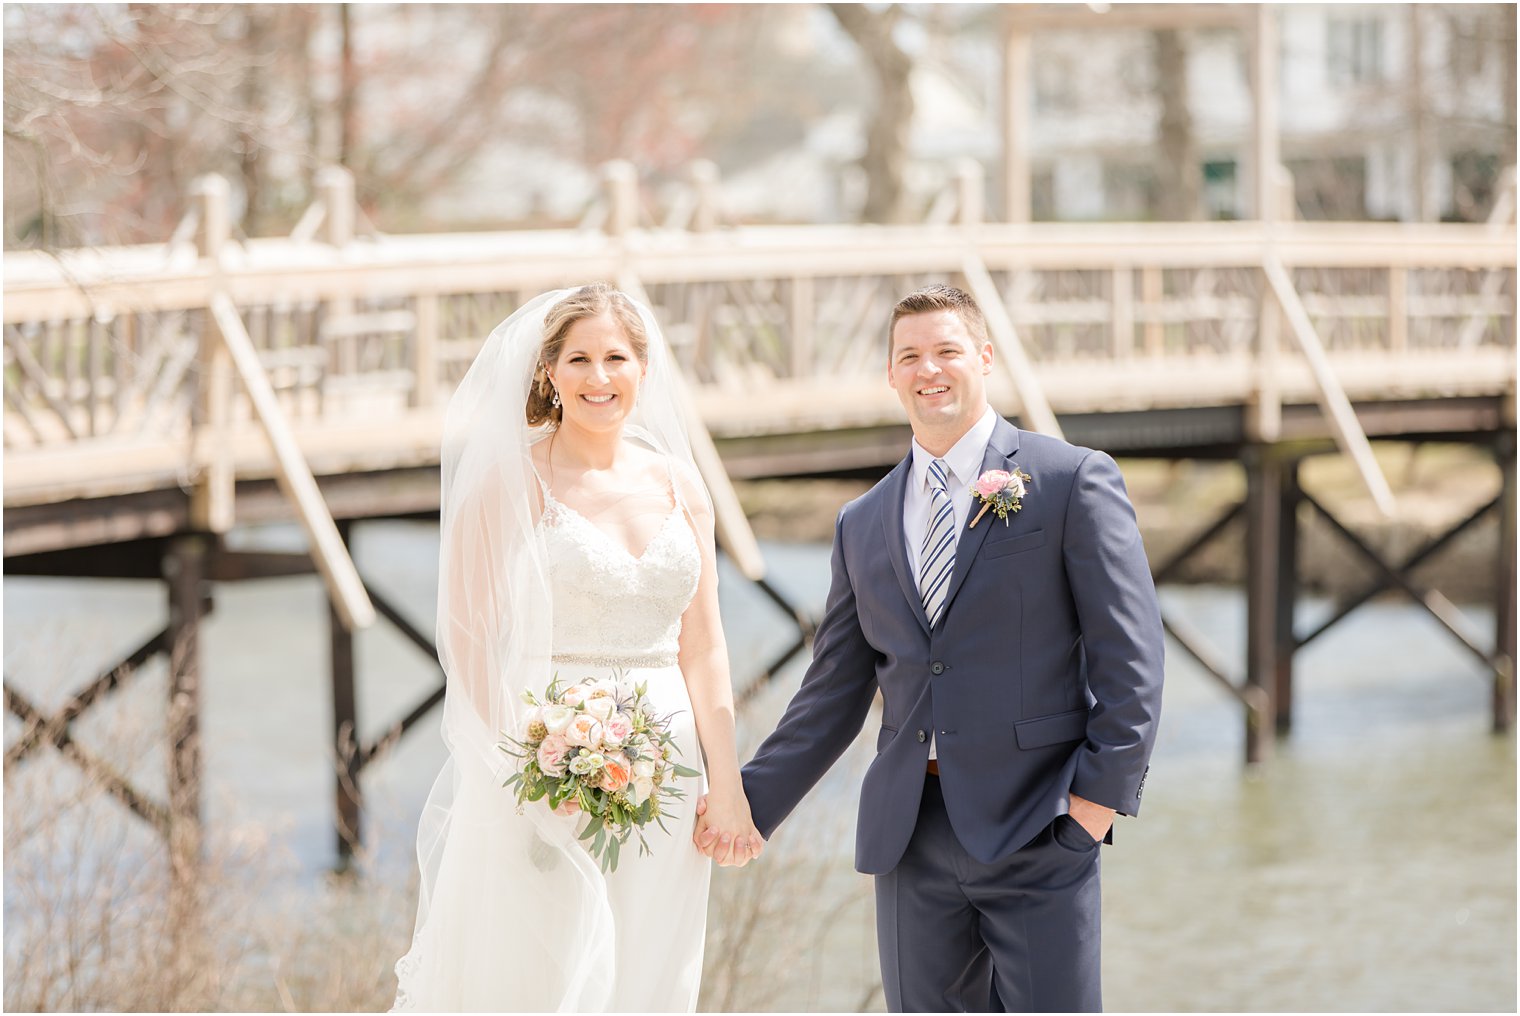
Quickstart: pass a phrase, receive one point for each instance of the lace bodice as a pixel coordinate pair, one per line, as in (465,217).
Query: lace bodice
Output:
(612,607)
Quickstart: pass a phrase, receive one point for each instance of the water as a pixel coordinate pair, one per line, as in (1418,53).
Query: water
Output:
(1371,866)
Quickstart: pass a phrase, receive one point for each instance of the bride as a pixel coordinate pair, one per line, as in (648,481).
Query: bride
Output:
(576,544)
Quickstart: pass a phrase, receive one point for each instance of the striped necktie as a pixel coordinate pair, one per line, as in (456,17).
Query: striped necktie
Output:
(936,560)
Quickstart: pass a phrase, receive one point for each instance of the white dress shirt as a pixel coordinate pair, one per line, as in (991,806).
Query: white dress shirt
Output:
(964,464)
(964,461)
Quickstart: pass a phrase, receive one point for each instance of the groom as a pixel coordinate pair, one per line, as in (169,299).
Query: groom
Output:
(1019,660)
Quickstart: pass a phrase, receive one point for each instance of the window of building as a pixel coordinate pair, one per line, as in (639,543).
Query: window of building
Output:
(1474,185)
(1042,194)
(1129,191)
(1054,91)
(1332,188)
(1470,38)
(1354,50)
(1221,196)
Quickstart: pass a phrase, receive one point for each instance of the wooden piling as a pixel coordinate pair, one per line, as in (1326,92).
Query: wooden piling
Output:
(1504,592)
(1263,535)
(1286,593)
(185,566)
(345,727)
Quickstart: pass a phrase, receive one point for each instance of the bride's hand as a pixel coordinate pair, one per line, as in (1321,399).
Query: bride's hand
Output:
(725,831)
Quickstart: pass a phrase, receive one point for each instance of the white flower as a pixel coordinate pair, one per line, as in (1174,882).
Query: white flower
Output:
(557,718)
(586,763)
(640,789)
(643,768)
(600,706)
(532,716)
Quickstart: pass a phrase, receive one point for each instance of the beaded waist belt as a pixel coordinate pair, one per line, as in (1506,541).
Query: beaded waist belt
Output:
(646,660)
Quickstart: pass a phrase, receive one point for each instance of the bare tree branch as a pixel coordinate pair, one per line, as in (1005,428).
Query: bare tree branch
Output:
(887,137)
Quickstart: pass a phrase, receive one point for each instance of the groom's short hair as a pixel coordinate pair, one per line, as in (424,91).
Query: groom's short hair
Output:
(939,296)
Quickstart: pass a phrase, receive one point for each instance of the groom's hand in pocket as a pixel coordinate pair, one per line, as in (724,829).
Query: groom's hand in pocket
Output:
(1093,817)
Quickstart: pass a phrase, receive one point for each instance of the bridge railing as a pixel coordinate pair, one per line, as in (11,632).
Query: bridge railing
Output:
(106,351)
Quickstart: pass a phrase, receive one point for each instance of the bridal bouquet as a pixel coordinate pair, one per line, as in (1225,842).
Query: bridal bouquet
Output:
(596,748)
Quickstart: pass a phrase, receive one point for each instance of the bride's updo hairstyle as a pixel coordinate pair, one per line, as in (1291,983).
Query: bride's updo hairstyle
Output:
(588,301)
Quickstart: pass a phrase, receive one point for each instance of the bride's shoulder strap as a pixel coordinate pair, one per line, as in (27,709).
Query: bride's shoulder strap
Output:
(543,496)
(685,488)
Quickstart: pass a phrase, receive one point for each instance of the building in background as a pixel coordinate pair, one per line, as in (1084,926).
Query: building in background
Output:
(1373,126)
(457,117)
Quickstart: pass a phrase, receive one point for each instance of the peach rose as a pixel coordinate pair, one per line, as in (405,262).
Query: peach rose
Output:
(569,806)
(585,730)
(615,773)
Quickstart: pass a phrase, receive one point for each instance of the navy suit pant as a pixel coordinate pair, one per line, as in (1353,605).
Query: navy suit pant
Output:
(1018,935)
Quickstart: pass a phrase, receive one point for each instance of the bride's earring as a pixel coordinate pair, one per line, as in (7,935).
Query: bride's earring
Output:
(554,401)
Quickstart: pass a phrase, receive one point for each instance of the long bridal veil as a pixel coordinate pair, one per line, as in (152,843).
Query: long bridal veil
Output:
(512,912)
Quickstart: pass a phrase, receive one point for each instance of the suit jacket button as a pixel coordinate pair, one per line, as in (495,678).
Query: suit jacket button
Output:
(937,668)
(923,736)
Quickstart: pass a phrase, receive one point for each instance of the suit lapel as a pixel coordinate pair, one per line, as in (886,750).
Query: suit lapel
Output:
(897,548)
(1001,448)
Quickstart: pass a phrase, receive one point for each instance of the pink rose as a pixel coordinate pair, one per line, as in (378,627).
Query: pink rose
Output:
(585,730)
(551,755)
(569,806)
(618,728)
(992,481)
(574,696)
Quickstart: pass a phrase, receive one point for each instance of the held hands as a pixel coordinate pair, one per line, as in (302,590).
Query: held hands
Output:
(725,831)
(1093,817)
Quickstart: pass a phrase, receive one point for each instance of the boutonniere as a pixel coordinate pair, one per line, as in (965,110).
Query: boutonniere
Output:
(1000,491)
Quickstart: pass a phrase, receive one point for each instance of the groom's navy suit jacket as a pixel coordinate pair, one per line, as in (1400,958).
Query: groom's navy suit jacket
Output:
(1042,677)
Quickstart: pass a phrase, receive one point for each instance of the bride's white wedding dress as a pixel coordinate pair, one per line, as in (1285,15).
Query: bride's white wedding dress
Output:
(613,611)
(627,615)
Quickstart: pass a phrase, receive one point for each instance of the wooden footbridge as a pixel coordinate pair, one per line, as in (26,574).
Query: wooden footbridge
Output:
(156,397)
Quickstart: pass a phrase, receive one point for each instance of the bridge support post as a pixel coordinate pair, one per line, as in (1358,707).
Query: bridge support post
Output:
(1286,592)
(1504,593)
(1264,488)
(185,568)
(620,182)
(1016,103)
(345,725)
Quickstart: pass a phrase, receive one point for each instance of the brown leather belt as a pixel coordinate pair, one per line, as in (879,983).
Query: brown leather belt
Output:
(933,767)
